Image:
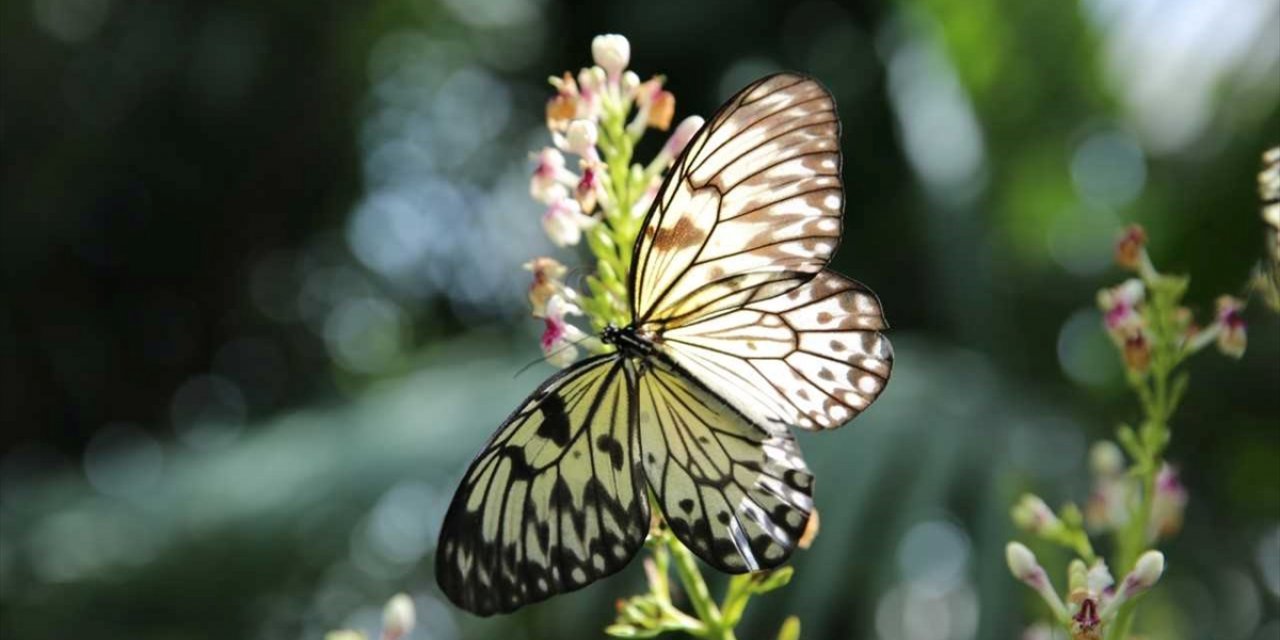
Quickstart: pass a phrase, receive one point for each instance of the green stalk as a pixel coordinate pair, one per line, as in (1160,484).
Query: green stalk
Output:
(1158,400)
(696,589)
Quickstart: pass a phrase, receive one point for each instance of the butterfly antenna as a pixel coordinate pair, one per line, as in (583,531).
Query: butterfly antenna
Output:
(556,352)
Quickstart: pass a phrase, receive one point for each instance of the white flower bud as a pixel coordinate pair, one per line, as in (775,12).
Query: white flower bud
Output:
(592,80)
(1148,570)
(1022,563)
(1033,515)
(1024,567)
(1105,459)
(630,81)
(612,52)
(581,137)
(398,617)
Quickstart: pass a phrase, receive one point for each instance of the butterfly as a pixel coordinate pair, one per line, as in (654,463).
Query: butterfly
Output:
(738,333)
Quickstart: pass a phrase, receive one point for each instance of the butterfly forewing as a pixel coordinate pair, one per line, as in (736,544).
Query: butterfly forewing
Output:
(812,357)
(751,210)
(555,500)
(736,494)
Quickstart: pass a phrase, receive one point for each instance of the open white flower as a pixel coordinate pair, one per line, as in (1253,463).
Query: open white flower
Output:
(581,138)
(551,180)
(564,222)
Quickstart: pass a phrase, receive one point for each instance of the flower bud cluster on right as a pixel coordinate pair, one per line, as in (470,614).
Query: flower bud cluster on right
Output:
(1137,498)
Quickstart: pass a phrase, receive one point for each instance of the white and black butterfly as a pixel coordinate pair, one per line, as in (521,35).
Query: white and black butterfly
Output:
(738,333)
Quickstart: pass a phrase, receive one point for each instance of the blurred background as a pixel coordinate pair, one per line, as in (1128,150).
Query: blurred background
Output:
(262,297)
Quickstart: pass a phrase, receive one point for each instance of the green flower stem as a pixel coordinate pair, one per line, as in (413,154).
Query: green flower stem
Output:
(714,627)
(612,239)
(1159,394)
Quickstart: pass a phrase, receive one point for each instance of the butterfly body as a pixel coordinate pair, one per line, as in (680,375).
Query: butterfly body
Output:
(738,334)
(630,341)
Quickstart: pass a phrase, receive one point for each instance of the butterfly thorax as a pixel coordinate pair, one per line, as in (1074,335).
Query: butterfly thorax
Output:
(629,340)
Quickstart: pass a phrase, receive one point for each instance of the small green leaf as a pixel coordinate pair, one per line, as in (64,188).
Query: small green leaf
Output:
(790,629)
(1129,441)
(621,631)
(774,580)
(1072,516)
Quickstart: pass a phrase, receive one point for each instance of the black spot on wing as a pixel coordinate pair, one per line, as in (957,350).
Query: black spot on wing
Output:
(611,446)
(555,422)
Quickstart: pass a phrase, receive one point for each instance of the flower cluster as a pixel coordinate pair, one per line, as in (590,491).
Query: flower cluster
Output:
(1093,600)
(597,117)
(1116,487)
(1137,497)
(1139,327)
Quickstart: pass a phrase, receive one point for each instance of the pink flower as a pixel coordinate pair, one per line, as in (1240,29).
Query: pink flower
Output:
(1167,505)
(1086,624)
(1123,318)
(547,282)
(590,189)
(1231,336)
(559,338)
(1131,247)
(1119,305)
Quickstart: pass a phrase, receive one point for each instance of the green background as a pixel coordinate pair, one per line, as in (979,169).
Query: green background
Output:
(262,297)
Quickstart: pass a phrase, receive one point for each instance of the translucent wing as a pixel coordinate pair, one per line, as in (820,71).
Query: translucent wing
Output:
(751,209)
(812,357)
(554,501)
(736,494)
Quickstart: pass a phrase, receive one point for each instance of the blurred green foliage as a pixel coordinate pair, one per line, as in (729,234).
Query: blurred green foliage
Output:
(261,297)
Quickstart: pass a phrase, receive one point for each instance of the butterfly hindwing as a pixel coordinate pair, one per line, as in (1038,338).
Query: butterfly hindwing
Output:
(813,357)
(736,494)
(555,500)
(751,209)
